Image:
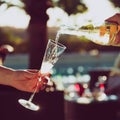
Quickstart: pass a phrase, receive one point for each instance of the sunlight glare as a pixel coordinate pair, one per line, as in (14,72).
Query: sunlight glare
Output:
(14,17)
(15,2)
(98,11)
(57,16)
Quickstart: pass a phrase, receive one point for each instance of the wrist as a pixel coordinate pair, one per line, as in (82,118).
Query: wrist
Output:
(6,75)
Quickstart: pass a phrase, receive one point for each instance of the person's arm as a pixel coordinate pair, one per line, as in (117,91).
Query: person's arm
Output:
(6,75)
(24,80)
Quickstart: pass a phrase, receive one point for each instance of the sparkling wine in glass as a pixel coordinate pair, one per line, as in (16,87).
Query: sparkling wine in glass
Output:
(52,53)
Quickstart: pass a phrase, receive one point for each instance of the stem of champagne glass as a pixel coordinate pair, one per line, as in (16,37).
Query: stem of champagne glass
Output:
(31,97)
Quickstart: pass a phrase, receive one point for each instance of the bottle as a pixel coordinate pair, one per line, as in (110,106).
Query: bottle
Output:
(107,34)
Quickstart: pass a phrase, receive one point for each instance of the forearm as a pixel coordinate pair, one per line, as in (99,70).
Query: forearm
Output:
(5,75)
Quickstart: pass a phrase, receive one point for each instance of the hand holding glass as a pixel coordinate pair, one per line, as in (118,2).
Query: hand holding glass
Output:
(53,51)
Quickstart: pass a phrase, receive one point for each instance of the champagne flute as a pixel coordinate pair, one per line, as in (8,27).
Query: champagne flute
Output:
(52,53)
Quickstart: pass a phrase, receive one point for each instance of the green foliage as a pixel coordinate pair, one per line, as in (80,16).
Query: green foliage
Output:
(11,37)
(73,43)
(89,27)
(9,4)
(116,3)
(4,37)
(72,6)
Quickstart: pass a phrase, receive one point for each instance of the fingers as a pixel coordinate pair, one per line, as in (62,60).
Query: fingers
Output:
(43,82)
(39,85)
(43,87)
(44,74)
(47,74)
(33,80)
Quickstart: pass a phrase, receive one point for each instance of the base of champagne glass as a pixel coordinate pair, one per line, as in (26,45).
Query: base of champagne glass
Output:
(29,105)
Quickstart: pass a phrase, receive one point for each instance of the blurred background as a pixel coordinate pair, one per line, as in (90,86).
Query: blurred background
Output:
(26,25)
